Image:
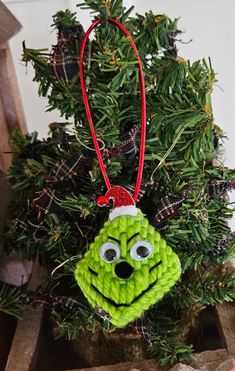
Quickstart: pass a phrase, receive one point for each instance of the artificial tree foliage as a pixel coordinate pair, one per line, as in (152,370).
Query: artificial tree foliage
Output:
(182,144)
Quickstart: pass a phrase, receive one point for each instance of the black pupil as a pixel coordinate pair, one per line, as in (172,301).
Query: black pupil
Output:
(142,251)
(110,255)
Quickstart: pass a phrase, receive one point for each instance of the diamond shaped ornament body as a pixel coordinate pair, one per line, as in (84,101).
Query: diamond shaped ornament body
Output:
(128,268)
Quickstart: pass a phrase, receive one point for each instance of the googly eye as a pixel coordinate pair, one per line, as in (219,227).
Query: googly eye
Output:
(141,250)
(109,252)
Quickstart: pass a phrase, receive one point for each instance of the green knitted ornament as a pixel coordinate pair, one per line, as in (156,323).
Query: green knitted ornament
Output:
(128,267)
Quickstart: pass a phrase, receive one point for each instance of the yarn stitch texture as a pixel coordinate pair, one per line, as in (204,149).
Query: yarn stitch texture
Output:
(126,299)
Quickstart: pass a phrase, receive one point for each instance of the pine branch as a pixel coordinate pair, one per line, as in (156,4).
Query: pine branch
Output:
(12,300)
(167,346)
(206,288)
(70,324)
(65,19)
(168,351)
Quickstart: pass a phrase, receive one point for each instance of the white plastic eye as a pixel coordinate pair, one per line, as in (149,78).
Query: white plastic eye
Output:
(109,252)
(141,250)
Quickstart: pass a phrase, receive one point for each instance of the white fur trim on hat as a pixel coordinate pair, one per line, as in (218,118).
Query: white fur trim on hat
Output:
(123,210)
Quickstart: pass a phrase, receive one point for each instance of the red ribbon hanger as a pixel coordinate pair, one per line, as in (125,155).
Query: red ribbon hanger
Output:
(143,106)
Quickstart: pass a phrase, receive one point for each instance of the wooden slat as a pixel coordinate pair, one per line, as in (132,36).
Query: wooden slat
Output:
(210,360)
(7,329)
(183,367)
(38,276)
(226,325)
(24,349)
(11,111)
(5,197)
(147,365)
(5,156)
(9,92)
(25,346)
(9,25)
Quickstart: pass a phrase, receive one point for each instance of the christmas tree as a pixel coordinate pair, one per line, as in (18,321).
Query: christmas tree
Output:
(184,188)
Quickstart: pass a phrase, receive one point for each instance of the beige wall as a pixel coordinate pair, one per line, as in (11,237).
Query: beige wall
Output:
(36,18)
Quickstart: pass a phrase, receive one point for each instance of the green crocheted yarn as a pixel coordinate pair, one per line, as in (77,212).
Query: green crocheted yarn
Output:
(127,268)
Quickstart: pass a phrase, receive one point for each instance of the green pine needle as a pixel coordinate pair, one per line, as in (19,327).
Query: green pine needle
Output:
(11,300)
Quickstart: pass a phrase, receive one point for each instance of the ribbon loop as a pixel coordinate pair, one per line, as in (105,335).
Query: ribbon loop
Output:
(143,105)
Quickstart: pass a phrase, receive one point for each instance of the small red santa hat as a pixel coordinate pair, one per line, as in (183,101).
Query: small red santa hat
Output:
(123,202)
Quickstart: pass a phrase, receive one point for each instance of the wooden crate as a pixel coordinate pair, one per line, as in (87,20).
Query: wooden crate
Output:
(11,117)
(38,351)
(11,112)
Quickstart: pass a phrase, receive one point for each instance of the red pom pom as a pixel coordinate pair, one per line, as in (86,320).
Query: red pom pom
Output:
(102,201)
